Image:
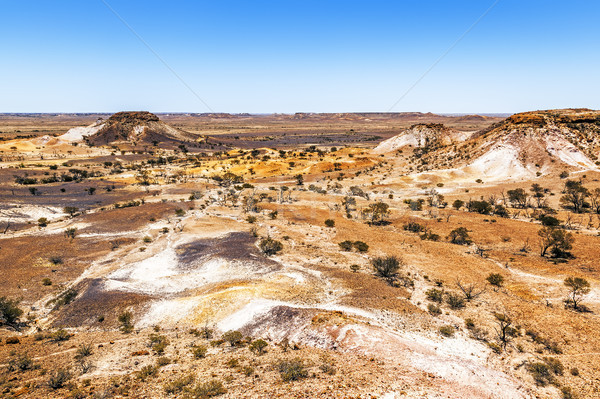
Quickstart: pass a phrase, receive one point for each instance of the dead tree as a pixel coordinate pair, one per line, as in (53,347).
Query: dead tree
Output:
(469,291)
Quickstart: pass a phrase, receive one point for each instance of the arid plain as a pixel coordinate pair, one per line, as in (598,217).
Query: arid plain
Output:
(350,255)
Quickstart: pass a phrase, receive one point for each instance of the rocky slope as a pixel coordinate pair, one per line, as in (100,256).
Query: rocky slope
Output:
(422,135)
(135,128)
(526,145)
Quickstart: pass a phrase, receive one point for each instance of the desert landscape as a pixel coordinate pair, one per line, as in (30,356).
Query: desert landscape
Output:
(309,255)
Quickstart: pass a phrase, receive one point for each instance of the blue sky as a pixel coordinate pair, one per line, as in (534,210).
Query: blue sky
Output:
(298,56)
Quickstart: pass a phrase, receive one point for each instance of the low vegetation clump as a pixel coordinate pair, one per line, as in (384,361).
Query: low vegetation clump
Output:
(545,372)
(199,351)
(414,227)
(269,246)
(258,346)
(60,335)
(434,309)
(9,311)
(21,362)
(125,319)
(292,370)
(58,378)
(496,280)
(386,267)
(178,385)
(455,301)
(65,298)
(158,343)
(447,331)
(460,236)
(233,337)
(84,350)
(348,245)
(147,372)
(435,295)
(207,389)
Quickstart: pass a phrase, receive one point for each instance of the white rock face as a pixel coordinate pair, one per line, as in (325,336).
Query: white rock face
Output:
(79,133)
(421,135)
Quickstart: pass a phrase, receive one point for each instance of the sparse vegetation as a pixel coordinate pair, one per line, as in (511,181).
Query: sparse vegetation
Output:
(292,370)
(125,319)
(9,311)
(269,246)
(459,236)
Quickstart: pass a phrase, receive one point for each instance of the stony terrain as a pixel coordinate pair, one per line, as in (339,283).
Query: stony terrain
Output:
(287,256)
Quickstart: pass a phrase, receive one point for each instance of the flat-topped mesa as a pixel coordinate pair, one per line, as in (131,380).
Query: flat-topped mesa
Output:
(133,117)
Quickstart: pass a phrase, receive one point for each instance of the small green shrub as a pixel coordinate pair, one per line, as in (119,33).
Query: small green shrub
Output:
(199,351)
(60,335)
(158,343)
(414,227)
(346,245)
(125,320)
(208,389)
(233,337)
(434,310)
(178,385)
(258,346)
(270,246)
(58,378)
(84,350)
(146,372)
(292,370)
(455,301)
(360,246)
(386,267)
(9,311)
(495,347)
(21,362)
(435,295)
(495,279)
(447,331)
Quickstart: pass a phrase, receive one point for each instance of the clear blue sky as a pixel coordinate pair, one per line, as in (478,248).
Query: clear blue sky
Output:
(303,55)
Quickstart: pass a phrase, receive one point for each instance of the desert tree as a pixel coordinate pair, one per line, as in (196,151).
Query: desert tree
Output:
(518,198)
(459,236)
(557,240)
(348,202)
(595,199)
(377,212)
(457,204)
(504,329)
(539,194)
(575,195)
(578,288)
(9,311)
